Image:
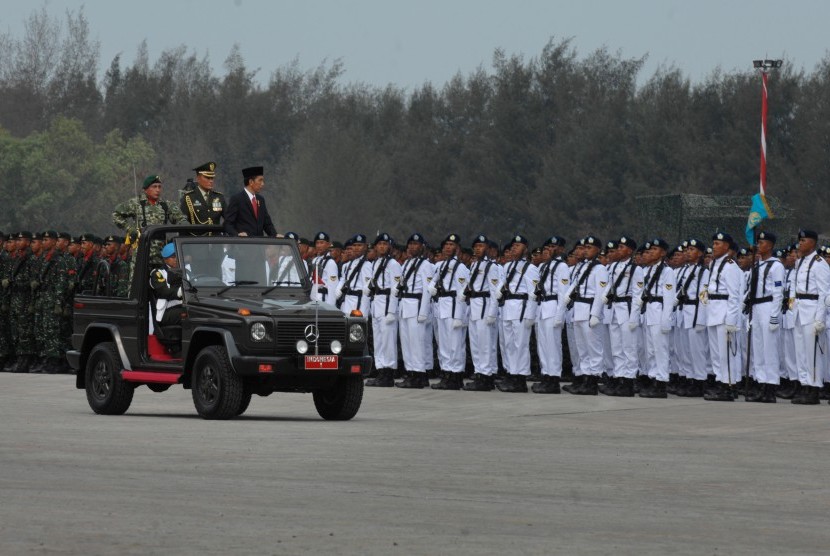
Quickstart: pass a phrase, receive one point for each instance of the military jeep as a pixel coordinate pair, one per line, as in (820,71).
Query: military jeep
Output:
(248,326)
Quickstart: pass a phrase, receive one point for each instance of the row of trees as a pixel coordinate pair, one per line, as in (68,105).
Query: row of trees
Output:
(554,143)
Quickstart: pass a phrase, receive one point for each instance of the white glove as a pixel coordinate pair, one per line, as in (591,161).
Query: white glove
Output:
(558,324)
(433,291)
(491,321)
(632,325)
(459,297)
(499,294)
(529,323)
(665,330)
(773,326)
(422,319)
(605,300)
(338,293)
(531,296)
(179,293)
(819,327)
(827,301)
(731,328)
(457,323)
(593,322)
(389,318)
(699,328)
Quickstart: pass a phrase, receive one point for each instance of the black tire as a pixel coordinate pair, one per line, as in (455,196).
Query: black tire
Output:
(217,391)
(246,400)
(106,392)
(342,401)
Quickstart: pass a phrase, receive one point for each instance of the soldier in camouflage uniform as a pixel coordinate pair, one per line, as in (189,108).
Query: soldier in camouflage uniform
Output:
(136,214)
(87,270)
(53,282)
(117,271)
(21,293)
(6,348)
(65,246)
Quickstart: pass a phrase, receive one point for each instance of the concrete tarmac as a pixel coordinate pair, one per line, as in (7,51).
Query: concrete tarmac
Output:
(416,472)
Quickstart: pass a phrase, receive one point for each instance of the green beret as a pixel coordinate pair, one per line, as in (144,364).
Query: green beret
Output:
(150,180)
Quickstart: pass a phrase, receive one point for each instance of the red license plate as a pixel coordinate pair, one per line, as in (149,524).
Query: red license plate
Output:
(321,362)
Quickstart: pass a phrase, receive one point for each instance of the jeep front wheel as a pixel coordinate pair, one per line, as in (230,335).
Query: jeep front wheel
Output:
(106,392)
(340,402)
(217,391)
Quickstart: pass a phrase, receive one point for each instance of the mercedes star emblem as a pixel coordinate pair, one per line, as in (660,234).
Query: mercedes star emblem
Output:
(311,333)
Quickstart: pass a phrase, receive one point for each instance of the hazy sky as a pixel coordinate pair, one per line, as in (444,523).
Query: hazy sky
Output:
(410,42)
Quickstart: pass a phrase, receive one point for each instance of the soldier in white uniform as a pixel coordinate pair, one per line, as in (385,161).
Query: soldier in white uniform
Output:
(518,316)
(482,296)
(809,295)
(763,304)
(786,350)
(625,284)
(723,311)
(414,310)
(449,281)
(551,295)
(680,364)
(386,275)
(353,288)
(575,260)
(585,295)
(696,340)
(657,307)
(325,272)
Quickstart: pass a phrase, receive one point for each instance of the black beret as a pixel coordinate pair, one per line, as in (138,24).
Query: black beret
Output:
(769,236)
(592,240)
(417,238)
(451,238)
(337,245)
(359,238)
(518,238)
(661,243)
(383,236)
(150,180)
(291,235)
(628,242)
(722,236)
(696,243)
(481,238)
(24,235)
(322,236)
(808,234)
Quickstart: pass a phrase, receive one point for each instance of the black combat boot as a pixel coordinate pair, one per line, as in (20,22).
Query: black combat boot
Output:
(754,392)
(694,388)
(575,384)
(807,396)
(513,383)
(451,381)
(588,387)
(642,381)
(786,390)
(658,389)
(548,385)
(625,388)
(480,383)
(768,394)
(824,392)
(411,380)
(24,362)
(674,382)
(383,379)
(720,393)
(609,385)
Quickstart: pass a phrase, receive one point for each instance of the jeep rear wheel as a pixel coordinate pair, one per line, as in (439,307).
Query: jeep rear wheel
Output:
(217,391)
(342,401)
(106,392)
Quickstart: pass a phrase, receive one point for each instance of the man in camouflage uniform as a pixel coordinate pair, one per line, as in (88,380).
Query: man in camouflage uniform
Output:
(116,283)
(70,264)
(137,213)
(6,346)
(51,281)
(19,305)
(87,265)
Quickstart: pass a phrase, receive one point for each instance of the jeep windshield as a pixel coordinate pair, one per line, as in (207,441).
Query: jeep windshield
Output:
(242,264)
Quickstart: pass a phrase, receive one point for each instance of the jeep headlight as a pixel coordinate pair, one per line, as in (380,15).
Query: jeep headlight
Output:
(302,347)
(356,334)
(258,332)
(336,347)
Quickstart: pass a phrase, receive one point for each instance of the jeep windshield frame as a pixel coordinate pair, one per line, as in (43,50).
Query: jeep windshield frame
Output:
(258,265)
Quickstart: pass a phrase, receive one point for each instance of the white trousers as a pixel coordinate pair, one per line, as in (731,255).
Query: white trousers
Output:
(385,343)
(549,347)
(624,350)
(698,351)
(805,348)
(786,354)
(657,352)
(483,342)
(412,344)
(452,349)
(589,345)
(764,357)
(516,355)
(572,348)
(725,356)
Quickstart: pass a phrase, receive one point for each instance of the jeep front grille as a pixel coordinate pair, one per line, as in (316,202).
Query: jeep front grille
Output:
(289,332)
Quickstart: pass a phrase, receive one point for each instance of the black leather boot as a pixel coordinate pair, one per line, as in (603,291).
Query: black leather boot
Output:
(548,385)
(382,380)
(575,384)
(513,383)
(480,383)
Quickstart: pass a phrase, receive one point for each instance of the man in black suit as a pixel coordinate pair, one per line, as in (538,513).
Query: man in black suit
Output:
(247,214)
